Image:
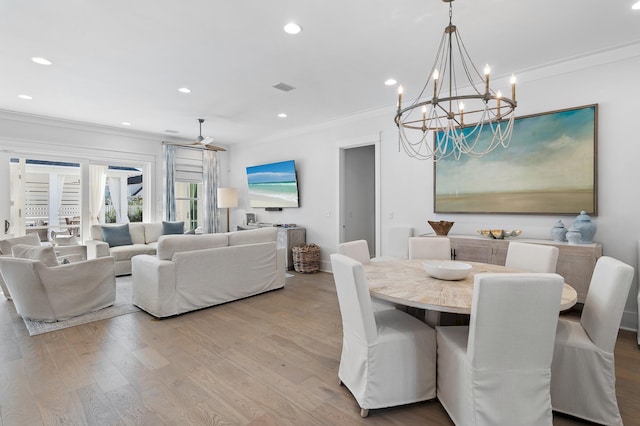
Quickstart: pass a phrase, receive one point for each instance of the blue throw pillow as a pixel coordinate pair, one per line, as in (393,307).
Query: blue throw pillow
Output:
(117,235)
(169,228)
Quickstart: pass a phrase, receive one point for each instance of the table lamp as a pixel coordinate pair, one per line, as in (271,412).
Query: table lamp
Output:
(227,198)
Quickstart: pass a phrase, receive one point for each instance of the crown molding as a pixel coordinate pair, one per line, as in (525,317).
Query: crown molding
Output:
(85,127)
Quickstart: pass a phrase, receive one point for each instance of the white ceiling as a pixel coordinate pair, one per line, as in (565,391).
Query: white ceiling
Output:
(123,60)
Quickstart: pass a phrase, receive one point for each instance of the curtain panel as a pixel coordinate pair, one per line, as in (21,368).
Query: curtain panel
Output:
(210,186)
(97,182)
(169,152)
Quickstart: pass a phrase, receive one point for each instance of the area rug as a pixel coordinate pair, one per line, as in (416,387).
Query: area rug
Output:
(122,306)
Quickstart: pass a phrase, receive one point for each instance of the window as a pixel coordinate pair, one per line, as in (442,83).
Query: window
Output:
(191,178)
(189,204)
(123,200)
(45,196)
(189,193)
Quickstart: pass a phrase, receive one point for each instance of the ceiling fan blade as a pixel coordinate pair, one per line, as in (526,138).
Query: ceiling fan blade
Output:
(214,148)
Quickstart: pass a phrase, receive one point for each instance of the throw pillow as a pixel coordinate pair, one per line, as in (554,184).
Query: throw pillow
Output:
(117,235)
(29,239)
(169,228)
(45,254)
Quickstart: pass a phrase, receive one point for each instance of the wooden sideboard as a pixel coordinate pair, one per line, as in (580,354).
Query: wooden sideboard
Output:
(575,262)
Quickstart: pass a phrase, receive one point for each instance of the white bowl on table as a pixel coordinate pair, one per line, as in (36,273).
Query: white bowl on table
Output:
(447,269)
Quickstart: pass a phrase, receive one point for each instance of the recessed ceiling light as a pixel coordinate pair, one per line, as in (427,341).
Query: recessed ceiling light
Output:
(292,28)
(282,115)
(391,82)
(27,97)
(125,123)
(636,5)
(184,90)
(41,61)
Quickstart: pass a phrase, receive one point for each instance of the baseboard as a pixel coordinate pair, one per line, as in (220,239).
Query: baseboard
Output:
(629,321)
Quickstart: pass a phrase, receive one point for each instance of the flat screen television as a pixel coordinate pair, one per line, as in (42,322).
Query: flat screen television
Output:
(273,185)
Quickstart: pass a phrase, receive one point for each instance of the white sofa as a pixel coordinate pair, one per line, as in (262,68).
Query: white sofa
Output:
(143,235)
(192,272)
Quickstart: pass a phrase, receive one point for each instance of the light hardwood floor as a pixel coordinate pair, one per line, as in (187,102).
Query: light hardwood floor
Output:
(271,359)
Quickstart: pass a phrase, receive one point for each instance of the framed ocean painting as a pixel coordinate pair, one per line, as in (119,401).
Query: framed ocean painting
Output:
(273,185)
(550,167)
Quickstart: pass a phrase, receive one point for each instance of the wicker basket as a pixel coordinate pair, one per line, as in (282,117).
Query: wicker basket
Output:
(306,258)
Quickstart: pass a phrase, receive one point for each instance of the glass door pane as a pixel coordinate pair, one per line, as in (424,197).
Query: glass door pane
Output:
(189,204)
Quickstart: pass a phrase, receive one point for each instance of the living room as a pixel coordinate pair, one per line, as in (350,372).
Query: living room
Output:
(604,76)
(406,196)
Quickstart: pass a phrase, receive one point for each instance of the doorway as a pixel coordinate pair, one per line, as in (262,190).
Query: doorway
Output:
(359,199)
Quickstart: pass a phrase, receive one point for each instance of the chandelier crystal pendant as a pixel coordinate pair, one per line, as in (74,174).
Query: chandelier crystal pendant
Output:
(450,123)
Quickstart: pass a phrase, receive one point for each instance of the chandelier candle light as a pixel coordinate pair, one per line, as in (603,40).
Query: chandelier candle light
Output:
(473,124)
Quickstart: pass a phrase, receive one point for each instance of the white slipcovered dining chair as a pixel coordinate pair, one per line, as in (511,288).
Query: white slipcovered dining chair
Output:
(430,248)
(638,297)
(397,245)
(583,378)
(497,370)
(532,257)
(388,357)
(359,250)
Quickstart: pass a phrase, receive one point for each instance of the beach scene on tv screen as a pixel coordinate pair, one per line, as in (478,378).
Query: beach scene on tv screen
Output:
(273,185)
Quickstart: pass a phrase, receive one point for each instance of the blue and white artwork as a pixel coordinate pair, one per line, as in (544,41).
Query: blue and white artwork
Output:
(273,185)
(548,168)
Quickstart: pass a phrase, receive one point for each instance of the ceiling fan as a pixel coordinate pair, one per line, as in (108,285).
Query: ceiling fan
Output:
(203,142)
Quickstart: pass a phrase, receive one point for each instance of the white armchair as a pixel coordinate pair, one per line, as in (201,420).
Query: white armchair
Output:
(497,371)
(583,377)
(55,293)
(5,250)
(388,357)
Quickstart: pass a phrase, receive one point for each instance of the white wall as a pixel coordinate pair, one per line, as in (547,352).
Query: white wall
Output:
(609,79)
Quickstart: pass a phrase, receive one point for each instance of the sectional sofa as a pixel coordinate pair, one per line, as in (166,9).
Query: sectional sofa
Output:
(144,240)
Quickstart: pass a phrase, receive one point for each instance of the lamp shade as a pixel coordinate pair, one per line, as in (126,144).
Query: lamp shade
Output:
(227,197)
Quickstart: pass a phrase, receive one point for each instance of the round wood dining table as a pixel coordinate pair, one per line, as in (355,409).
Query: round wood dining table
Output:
(405,282)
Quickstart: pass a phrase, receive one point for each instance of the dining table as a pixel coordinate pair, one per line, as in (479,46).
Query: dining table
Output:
(405,282)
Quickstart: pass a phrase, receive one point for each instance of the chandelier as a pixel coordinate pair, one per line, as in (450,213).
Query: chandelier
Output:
(450,123)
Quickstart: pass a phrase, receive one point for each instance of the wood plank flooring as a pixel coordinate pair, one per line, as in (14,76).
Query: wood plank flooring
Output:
(271,359)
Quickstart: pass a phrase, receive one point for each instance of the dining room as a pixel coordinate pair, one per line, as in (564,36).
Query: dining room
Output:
(494,344)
